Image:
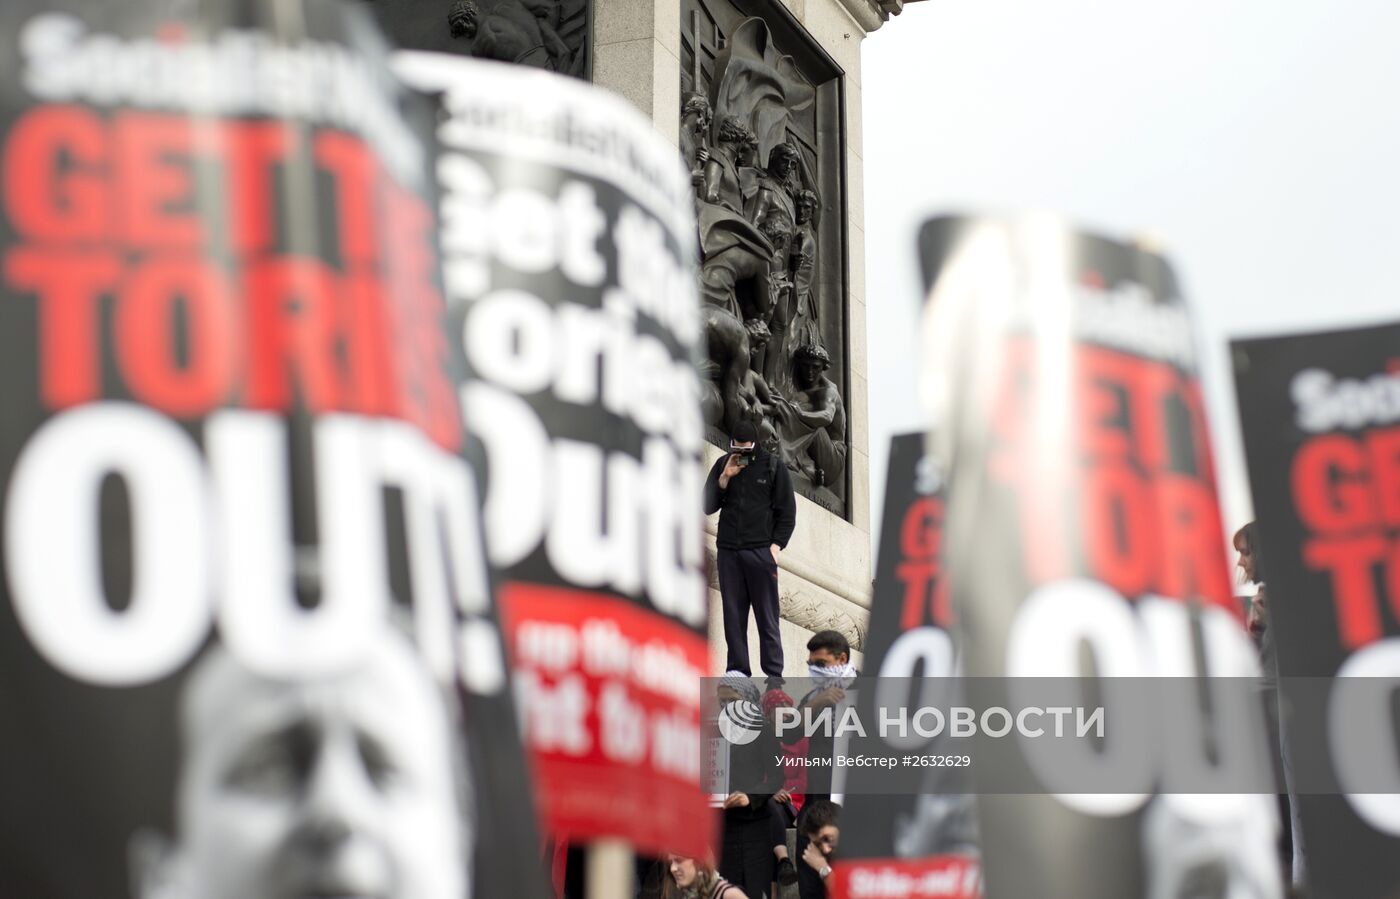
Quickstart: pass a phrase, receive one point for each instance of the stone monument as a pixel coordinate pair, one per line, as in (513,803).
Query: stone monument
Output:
(762,99)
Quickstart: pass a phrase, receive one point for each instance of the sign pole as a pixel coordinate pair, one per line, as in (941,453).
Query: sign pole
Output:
(610,870)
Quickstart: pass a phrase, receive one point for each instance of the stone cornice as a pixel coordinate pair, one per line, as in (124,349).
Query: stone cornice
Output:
(868,15)
(871,14)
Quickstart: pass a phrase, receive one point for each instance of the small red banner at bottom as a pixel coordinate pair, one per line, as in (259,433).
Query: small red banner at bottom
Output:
(937,877)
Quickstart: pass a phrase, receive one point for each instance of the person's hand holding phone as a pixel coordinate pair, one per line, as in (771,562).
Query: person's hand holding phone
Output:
(737,462)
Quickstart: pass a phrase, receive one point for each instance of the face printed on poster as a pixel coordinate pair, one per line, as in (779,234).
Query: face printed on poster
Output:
(340,785)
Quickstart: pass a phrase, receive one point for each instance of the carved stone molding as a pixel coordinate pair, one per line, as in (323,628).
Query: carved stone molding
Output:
(806,609)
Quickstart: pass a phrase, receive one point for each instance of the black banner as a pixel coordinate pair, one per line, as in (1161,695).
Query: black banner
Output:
(1083,537)
(1321,420)
(568,237)
(924,845)
(246,620)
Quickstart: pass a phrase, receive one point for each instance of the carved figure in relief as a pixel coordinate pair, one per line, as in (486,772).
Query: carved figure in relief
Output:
(732,249)
(803,326)
(515,32)
(696,119)
(774,190)
(812,423)
(546,34)
(464,19)
(761,399)
(735,254)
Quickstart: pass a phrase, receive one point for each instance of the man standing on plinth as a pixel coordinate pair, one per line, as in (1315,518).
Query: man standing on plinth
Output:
(752,492)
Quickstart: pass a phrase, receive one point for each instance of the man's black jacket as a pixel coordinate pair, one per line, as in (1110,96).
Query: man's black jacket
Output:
(758,509)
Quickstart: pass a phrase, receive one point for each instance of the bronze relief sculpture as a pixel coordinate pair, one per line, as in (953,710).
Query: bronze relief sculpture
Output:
(758,205)
(545,34)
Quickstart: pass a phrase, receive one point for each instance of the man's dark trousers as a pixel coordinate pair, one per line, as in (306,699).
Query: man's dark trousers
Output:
(749,578)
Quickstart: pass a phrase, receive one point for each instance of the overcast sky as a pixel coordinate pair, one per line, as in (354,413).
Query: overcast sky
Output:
(1259,142)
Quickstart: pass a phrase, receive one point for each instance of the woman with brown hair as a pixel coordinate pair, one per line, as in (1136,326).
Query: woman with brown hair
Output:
(688,878)
(1251,565)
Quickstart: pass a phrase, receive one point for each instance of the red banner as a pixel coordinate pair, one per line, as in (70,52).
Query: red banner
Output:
(942,877)
(613,716)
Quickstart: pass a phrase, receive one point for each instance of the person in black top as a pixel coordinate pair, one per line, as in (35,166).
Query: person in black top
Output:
(751,490)
(746,857)
(820,825)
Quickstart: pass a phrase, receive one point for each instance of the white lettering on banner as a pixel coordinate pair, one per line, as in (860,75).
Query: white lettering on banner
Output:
(675,745)
(653,280)
(569,674)
(547,646)
(585,356)
(1230,654)
(561,503)
(523,228)
(1360,734)
(1128,317)
(464,233)
(53,548)
(1051,627)
(556,715)
(660,667)
(509,336)
(605,517)
(1326,403)
(585,554)
(261,621)
(235,73)
(621,725)
(1149,639)
(182,507)
(959,880)
(606,651)
(534,234)
(599,649)
(517,502)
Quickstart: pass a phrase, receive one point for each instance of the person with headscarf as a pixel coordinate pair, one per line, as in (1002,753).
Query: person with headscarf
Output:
(747,859)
